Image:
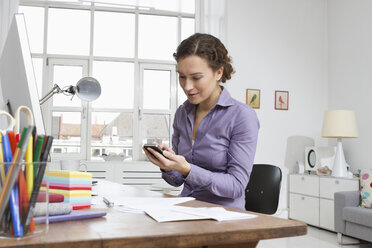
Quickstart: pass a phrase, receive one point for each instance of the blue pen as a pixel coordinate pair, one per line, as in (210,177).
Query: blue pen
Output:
(14,205)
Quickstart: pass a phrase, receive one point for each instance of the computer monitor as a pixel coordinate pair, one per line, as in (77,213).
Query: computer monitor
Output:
(17,75)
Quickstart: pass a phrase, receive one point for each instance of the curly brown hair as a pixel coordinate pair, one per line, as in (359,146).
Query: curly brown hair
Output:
(211,49)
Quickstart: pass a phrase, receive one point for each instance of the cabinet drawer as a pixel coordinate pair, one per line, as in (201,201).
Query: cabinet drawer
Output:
(303,184)
(328,186)
(327,214)
(304,208)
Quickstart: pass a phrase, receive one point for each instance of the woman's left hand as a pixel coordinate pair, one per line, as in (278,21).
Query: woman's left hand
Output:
(169,162)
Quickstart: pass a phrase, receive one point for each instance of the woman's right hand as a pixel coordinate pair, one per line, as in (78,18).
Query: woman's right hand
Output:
(169,161)
(166,148)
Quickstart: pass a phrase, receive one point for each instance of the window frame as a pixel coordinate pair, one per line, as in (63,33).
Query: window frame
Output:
(142,111)
(86,152)
(48,107)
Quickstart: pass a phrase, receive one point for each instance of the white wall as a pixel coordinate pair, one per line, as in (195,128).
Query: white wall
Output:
(350,72)
(281,45)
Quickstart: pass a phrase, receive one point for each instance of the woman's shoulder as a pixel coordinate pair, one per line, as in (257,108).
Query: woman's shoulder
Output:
(242,108)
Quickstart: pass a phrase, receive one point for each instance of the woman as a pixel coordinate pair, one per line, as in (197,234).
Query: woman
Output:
(215,136)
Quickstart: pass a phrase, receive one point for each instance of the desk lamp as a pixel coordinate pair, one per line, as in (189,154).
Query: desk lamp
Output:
(87,89)
(339,124)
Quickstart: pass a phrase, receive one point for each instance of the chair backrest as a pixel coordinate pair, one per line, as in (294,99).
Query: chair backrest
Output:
(262,192)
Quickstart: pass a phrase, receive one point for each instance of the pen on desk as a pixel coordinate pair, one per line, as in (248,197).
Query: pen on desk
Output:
(37,182)
(107,202)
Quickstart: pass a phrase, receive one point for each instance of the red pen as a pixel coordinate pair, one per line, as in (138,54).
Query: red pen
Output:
(12,141)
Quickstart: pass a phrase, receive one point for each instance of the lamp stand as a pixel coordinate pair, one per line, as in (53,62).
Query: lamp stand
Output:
(339,166)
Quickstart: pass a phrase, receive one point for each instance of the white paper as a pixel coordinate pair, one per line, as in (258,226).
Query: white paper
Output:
(142,203)
(177,213)
(166,215)
(130,210)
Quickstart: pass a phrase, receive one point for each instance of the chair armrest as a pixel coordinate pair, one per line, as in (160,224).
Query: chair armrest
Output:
(344,199)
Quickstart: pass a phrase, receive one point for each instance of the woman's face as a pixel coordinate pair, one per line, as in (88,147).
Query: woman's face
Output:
(197,79)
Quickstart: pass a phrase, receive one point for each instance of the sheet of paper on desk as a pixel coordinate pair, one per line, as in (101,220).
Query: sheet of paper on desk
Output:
(177,213)
(146,202)
(139,204)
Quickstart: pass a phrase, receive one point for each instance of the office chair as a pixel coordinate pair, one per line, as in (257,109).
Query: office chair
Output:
(262,192)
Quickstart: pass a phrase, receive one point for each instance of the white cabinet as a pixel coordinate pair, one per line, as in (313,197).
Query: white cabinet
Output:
(311,198)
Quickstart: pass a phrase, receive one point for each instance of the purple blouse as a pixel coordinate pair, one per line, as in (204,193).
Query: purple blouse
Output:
(222,156)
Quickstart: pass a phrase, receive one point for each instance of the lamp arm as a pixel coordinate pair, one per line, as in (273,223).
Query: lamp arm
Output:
(56,89)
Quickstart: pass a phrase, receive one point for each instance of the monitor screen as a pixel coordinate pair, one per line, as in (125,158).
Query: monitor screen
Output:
(17,75)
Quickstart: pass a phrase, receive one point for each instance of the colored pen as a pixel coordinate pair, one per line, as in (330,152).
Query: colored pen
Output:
(12,140)
(14,201)
(34,136)
(37,153)
(107,202)
(38,180)
(12,174)
(29,167)
(24,199)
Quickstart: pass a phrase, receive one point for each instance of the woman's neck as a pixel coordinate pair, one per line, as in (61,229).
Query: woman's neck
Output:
(208,104)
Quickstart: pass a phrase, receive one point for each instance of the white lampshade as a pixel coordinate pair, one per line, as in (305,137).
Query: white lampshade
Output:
(339,124)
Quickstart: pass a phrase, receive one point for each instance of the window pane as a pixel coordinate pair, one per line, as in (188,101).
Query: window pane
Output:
(34,18)
(170,5)
(38,69)
(66,76)
(117,83)
(181,96)
(113,34)
(188,27)
(157,37)
(155,129)
(156,89)
(188,6)
(112,133)
(66,132)
(68,31)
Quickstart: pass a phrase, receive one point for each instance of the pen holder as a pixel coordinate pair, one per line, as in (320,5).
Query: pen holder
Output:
(24,206)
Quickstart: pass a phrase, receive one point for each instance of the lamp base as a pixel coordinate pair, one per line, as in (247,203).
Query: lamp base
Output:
(339,166)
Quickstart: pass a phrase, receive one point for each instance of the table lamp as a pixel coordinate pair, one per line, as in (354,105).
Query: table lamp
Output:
(339,124)
(87,89)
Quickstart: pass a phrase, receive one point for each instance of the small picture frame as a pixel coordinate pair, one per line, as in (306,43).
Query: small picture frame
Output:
(253,98)
(281,100)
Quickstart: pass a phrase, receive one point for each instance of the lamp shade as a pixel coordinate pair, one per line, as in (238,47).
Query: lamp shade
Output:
(339,124)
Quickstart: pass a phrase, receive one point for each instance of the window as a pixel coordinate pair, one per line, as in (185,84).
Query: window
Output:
(129,51)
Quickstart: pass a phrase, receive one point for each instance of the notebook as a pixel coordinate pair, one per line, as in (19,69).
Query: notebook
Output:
(74,215)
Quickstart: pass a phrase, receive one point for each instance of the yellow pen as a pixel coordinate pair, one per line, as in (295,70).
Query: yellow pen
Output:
(2,170)
(29,167)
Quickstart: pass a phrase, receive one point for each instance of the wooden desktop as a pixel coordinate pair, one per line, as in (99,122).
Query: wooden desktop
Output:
(118,229)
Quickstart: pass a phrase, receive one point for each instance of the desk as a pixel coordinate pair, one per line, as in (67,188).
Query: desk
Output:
(123,230)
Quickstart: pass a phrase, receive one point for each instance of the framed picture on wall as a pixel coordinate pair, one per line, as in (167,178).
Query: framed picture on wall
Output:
(253,98)
(281,100)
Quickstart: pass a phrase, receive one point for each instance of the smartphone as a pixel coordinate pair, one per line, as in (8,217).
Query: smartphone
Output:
(157,148)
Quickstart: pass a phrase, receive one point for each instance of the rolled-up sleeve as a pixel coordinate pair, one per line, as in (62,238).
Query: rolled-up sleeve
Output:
(240,157)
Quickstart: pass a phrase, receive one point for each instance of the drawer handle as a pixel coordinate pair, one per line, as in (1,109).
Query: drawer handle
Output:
(337,182)
(302,178)
(302,198)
